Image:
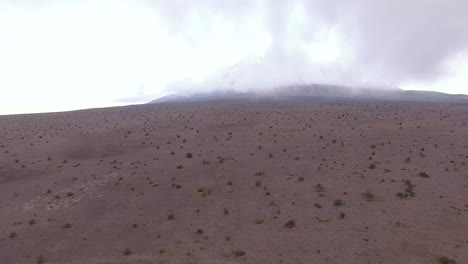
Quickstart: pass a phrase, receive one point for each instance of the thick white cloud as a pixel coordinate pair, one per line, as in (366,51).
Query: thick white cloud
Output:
(63,55)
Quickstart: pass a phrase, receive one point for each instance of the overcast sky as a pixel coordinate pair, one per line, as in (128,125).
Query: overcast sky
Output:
(60,55)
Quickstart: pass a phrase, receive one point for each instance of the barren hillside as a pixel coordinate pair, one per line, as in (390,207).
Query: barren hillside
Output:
(236,182)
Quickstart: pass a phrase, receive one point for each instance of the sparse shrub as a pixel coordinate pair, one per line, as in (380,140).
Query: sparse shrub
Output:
(127,252)
(402,195)
(446,260)
(290,224)
(170,216)
(12,234)
(40,259)
(368,196)
(322,220)
(338,202)
(409,187)
(66,226)
(204,192)
(409,190)
(423,174)
(317,205)
(239,253)
(319,188)
(188,155)
(372,166)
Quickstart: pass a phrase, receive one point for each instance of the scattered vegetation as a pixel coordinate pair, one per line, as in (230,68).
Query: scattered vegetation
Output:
(409,190)
(293,135)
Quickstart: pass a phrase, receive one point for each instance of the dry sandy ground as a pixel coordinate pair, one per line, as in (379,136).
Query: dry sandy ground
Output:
(236,182)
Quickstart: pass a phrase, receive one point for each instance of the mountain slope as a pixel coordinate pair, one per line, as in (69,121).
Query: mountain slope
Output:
(322,92)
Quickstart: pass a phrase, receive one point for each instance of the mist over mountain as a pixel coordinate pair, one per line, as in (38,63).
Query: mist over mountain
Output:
(280,78)
(241,81)
(319,92)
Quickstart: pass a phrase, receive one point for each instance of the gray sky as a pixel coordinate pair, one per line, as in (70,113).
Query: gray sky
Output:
(63,55)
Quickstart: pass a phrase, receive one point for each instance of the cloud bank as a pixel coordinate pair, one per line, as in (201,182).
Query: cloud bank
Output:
(96,52)
(388,42)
